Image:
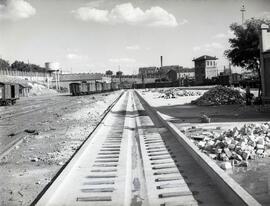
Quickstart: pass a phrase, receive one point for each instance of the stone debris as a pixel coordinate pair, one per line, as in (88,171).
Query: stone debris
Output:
(173,92)
(60,163)
(205,119)
(226,165)
(238,144)
(221,95)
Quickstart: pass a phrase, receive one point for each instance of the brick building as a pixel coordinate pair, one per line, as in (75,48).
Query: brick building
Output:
(148,72)
(205,68)
(183,73)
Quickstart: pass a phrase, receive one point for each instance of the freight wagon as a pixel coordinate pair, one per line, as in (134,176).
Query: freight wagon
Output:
(9,93)
(84,88)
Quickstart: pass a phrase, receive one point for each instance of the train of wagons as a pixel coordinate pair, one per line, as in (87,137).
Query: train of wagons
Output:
(84,88)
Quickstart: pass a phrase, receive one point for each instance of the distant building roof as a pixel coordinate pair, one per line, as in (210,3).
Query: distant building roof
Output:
(187,70)
(205,57)
(81,77)
(165,69)
(182,70)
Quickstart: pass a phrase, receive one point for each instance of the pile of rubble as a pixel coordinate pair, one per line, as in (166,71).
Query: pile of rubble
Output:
(221,95)
(236,145)
(172,93)
(167,94)
(184,93)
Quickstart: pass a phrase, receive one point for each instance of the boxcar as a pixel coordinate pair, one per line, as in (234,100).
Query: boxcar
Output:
(84,88)
(114,86)
(99,87)
(92,87)
(105,87)
(9,93)
(75,89)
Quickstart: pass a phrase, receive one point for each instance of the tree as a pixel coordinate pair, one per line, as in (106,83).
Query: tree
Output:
(4,64)
(21,66)
(109,72)
(119,73)
(244,47)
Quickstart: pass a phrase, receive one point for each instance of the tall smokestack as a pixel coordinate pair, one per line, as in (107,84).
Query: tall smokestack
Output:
(161,61)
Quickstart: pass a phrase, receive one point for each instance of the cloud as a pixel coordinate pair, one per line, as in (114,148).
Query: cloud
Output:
(196,48)
(122,60)
(128,14)
(133,47)
(184,21)
(208,47)
(74,56)
(213,45)
(264,15)
(92,14)
(16,9)
(220,36)
(227,35)
(95,3)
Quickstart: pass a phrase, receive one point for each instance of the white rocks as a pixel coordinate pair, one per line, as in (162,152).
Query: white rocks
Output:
(226,165)
(259,151)
(260,146)
(231,146)
(61,163)
(246,155)
(249,142)
(228,152)
(201,144)
(213,156)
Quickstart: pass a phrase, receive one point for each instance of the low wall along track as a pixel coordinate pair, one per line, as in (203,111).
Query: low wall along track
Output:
(135,158)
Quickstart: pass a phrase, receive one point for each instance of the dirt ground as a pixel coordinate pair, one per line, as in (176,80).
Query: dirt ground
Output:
(60,127)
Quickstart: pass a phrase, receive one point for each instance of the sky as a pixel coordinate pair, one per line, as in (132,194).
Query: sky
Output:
(98,35)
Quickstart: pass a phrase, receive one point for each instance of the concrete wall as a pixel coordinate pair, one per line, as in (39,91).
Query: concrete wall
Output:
(43,78)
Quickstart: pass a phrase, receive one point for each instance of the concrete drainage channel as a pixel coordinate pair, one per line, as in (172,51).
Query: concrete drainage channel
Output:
(133,158)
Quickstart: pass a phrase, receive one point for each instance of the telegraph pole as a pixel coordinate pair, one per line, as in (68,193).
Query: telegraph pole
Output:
(243,10)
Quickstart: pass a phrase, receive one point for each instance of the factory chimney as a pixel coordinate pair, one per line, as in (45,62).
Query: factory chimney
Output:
(161,61)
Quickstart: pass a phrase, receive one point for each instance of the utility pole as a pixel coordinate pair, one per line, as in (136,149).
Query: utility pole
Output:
(243,10)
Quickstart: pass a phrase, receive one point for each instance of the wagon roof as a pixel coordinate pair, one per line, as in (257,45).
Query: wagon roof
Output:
(81,77)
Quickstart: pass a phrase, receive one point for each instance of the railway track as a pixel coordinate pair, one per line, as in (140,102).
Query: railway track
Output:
(132,158)
(39,106)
